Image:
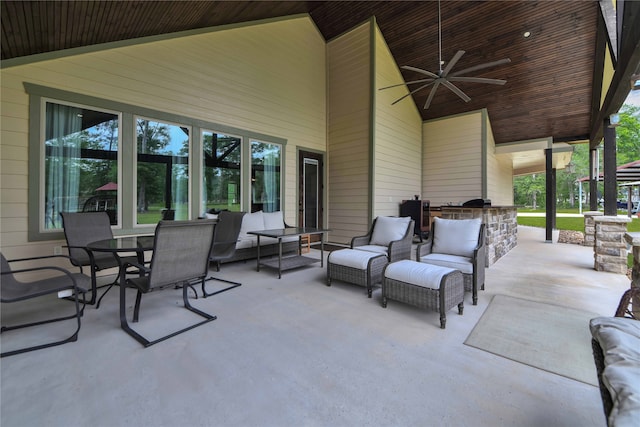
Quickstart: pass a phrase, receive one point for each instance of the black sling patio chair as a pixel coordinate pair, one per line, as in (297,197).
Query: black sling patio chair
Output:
(82,228)
(225,238)
(12,290)
(180,257)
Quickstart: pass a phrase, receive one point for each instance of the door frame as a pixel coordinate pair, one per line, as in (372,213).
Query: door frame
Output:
(319,157)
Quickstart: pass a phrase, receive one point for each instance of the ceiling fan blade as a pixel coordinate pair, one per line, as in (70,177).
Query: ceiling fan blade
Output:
(411,93)
(481,66)
(453,62)
(477,80)
(407,83)
(453,88)
(431,94)
(419,70)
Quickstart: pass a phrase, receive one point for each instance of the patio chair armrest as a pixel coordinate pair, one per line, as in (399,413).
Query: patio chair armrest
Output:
(360,240)
(424,249)
(34,258)
(142,269)
(399,250)
(44,268)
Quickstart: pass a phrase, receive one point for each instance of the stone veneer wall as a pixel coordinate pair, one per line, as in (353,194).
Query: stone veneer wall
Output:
(610,249)
(590,228)
(501,227)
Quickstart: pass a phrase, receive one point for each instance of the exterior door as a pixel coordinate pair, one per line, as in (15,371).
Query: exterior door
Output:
(310,185)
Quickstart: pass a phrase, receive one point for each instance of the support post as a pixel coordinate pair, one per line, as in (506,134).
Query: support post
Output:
(610,181)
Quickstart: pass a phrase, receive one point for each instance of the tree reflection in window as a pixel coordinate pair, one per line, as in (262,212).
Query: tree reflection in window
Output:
(81,162)
(221,172)
(265,176)
(162,189)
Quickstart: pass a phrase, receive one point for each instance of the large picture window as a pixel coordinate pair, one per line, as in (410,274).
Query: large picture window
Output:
(221,184)
(80,162)
(140,165)
(162,189)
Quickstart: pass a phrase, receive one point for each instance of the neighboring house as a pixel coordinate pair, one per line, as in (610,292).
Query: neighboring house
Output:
(275,92)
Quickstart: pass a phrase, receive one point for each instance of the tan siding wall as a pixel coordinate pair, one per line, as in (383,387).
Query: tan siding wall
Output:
(349,100)
(267,78)
(499,173)
(452,159)
(398,138)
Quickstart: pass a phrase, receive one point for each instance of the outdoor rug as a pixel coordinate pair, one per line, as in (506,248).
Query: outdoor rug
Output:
(548,337)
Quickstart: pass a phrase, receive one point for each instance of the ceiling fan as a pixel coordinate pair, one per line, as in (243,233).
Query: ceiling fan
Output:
(444,77)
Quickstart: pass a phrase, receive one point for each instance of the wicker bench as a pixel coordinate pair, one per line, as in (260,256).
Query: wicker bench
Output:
(358,267)
(425,286)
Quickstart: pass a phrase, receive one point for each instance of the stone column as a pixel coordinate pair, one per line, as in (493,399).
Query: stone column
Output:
(610,250)
(634,240)
(590,228)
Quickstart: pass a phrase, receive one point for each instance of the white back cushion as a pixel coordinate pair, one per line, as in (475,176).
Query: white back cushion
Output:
(388,229)
(273,220)
(251,222)
(456,236)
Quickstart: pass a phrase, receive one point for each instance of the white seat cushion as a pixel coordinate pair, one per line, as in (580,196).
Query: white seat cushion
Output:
(247,242)
(461,263)
(389,229)
(251,222)
(273,220)
(373,248)
(417,273)
(352,258)
(456,236)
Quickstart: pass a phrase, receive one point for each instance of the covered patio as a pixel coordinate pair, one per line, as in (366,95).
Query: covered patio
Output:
(296,352)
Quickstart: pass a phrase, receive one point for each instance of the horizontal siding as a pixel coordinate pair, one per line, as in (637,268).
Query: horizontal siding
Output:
(348,62)
(268,78)
(398,138)
(499,173)
(452,159)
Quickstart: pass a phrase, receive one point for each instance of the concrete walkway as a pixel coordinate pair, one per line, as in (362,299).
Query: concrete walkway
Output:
(294,352)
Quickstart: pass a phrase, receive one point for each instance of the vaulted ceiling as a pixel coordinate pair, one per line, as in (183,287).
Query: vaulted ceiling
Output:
(550,81)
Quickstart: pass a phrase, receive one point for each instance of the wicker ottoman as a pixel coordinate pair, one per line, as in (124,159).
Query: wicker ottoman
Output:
(425,286)
(358,267)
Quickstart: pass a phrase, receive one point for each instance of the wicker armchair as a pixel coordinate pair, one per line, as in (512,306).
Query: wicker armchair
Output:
(459,244)
(391,236)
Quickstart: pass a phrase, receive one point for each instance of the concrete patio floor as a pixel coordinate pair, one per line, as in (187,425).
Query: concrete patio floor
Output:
(294,352)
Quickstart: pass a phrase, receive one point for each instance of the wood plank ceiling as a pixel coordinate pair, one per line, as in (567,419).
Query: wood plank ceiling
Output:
(549,80)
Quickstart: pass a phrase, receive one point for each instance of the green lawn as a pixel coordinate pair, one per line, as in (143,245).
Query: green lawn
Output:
(568,223)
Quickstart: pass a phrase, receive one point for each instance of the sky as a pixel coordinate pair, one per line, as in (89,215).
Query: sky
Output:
(633,98)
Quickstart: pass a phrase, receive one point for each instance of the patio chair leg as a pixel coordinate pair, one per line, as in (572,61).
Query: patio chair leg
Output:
(73,337)
(136,310)
(208,294)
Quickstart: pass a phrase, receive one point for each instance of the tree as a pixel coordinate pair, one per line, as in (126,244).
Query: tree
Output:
(152,138)
(628,150)
(628,135)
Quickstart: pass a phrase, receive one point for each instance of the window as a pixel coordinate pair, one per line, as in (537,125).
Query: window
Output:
(140,165)
(80,162)
(265,176)
(221,185)
(162,169)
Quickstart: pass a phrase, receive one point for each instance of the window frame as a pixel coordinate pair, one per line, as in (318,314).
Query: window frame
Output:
(127,150)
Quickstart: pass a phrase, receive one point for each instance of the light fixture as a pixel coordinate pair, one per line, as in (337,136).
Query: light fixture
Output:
(614,120)
(526,34)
